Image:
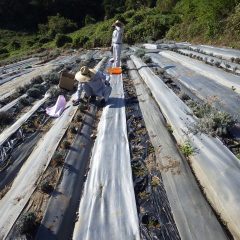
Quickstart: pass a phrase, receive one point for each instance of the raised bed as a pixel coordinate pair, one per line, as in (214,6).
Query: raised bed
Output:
(214,61)
(202,87)
(24,184)
(226,79)
(215,167)
(108,206)
(193,215)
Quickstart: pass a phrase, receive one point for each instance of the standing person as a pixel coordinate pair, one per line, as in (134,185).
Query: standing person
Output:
(94,84)
(117,42)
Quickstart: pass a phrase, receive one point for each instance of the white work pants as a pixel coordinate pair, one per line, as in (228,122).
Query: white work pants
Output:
(117,54)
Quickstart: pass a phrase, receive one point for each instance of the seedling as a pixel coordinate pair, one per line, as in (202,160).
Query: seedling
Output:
(169,128)
(186,149)
(143,195)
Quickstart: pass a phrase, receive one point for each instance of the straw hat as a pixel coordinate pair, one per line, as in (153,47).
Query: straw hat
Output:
(118,23)
(85,74)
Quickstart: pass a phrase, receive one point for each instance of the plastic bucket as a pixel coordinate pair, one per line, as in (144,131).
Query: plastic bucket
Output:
(114,70)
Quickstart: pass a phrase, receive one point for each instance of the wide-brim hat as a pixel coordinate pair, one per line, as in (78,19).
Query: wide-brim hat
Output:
(85,74)
(118,23)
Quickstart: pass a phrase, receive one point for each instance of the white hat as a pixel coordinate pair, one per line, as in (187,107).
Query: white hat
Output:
(85,74)
(118,23)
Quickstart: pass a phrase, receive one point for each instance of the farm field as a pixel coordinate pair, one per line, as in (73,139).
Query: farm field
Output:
(160,161)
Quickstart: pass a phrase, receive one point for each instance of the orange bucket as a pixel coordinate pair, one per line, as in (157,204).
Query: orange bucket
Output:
(114,70)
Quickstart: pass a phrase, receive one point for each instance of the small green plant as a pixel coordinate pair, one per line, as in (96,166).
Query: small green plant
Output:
(62,39)
(169,128)
(238,156)
(144,195)
(186,149)
(155,181)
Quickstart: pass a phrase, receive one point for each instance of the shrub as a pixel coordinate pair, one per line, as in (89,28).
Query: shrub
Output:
(27,222)
(15,44)
(80,41)
(44,40)
(89,20)
(3,51)
(211,120)
(62,39)
(34,93)
(57,24)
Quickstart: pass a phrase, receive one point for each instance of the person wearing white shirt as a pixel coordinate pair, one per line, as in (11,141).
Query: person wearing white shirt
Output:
(117,42)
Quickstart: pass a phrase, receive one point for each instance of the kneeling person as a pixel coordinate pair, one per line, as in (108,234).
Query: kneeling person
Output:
(93,83)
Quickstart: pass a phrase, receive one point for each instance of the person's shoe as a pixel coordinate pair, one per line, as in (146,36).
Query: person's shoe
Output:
(76,102)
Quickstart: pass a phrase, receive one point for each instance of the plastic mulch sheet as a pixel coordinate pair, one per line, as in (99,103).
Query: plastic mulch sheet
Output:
(202,87)
(108,209)
(226,79)
(192,214)
(12,204)
(216,168)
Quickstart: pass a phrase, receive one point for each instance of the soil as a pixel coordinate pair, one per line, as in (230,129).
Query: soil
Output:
(155,217)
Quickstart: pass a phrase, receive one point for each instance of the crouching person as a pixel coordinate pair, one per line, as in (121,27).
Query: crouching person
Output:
(94,84)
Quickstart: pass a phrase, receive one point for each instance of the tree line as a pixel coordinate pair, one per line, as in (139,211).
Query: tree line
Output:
(27,14)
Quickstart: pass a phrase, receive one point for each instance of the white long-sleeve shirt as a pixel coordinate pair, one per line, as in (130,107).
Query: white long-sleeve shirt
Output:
(117,35)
